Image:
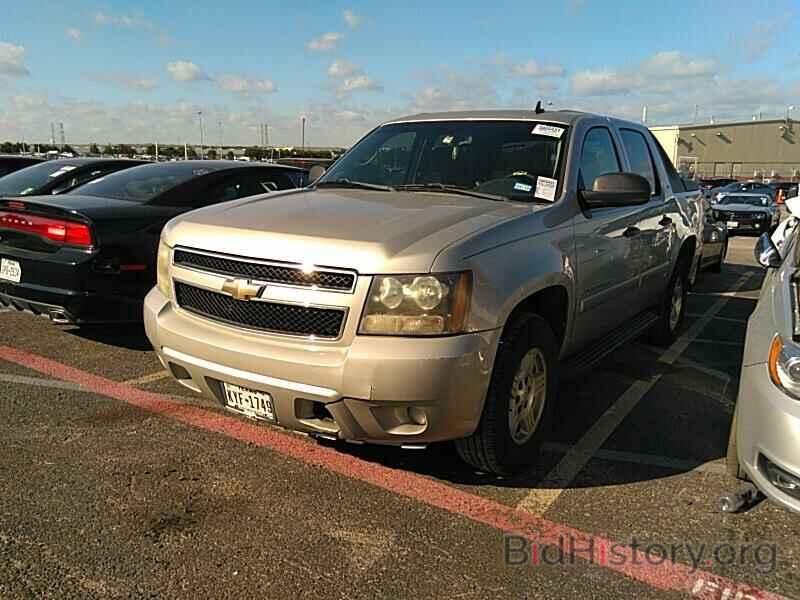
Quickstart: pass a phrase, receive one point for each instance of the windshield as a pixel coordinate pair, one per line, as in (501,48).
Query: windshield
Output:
(142,184)
(516,160)
(750,200)
(26,181)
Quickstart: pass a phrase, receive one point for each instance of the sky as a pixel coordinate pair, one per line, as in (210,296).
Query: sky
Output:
(123,72)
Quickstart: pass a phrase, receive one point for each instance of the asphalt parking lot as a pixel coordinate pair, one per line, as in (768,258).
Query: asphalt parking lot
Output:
(117,482)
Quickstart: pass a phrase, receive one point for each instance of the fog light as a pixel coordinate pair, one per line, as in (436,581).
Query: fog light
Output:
(780,478)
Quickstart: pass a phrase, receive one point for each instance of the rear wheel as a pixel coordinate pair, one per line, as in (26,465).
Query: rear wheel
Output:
(673,308)
(717,266)
(518,410)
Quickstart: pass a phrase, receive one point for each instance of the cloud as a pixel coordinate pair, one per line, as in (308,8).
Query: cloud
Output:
(656,73)
(353,20)
(326,42)
(358,83)
(125,80)
(534,69)
(239,84)
(133,22)
(762,35)
(675,65)
(76,35)
(343,68)
(12,60)
(184,70)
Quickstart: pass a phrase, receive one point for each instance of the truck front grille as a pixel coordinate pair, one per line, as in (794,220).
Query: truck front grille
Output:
(265,271)
(274,317)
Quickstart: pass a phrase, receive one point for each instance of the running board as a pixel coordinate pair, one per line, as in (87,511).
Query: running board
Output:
(583,361)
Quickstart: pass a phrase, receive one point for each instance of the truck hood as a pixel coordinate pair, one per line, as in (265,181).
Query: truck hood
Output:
(369,231)
(741,208)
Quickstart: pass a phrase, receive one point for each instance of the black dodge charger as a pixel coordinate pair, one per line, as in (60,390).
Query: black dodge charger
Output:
(60,175)
(90,255)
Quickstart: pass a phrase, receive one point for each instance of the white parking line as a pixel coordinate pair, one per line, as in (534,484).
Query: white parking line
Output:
(39,382)
(717,318)
(539,499)
(148,378)
(653,460)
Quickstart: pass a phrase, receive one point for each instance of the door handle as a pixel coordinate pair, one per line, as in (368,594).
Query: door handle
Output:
(631,232)
(665,221)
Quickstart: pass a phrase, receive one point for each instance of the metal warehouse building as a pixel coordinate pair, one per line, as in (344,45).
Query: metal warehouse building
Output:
(767,149)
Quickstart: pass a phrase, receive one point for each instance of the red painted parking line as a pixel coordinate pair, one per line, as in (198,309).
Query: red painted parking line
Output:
(666,575)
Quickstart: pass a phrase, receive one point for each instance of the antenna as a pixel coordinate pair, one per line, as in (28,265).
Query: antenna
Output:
(538,110)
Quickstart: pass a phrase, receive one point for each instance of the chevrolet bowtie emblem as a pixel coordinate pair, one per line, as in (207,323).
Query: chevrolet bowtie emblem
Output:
(241,289)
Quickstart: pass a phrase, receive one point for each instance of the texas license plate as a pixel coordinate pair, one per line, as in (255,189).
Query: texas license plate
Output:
(10,270)
(733,224)
(251,403)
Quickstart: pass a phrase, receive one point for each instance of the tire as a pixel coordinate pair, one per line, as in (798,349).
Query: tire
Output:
(717,266)
(735,469)
(666,329)
(492,448)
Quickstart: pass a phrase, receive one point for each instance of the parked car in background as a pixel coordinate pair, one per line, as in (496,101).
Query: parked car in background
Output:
(788,188)
(764,447)
(748,187)
(60,175)
(435,283)
(746,212)
(715,236)
(14,162)
(89,255)
(708,184)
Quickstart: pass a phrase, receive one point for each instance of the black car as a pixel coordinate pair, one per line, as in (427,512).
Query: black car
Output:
(789,188)
(60,175)
(744,212)
(90,255)
(14,162)
(748,187)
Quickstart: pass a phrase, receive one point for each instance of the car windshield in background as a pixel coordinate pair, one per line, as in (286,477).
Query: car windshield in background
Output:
(751,200)
(142,184)
(28,180)
(516,160)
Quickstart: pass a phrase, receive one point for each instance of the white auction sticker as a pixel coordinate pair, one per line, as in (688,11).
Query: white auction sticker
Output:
(546,188)
(62,170)
(548,130)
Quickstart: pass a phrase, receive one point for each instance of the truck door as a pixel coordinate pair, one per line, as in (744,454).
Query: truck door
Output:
(608,248)
(656,232)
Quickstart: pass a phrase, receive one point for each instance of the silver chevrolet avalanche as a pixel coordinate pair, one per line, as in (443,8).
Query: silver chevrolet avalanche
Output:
(435,284)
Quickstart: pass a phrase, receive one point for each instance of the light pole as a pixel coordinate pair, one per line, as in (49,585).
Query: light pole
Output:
(220,138)
(200,117)
(789,110)
(303,132)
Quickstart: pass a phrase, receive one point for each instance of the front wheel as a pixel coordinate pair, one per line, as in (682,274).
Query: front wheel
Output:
(518,410)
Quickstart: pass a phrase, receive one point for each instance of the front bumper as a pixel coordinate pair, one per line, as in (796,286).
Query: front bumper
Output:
(747,225)
(376,389)
(768,425)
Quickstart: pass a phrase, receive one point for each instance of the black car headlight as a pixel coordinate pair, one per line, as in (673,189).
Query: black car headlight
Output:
(417,305)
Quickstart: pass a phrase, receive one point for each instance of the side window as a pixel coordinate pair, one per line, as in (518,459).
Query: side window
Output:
(598,157)
(640,158)
(675,181)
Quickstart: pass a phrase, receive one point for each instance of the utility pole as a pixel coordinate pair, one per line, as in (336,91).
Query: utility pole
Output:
(63,137)
(266,134)
(52,134)
(200,117)
(220,136)
(303,132)
(156,151)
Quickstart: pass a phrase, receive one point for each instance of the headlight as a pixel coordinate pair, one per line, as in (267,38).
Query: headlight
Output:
(162,269)
(417,304)
(784,366)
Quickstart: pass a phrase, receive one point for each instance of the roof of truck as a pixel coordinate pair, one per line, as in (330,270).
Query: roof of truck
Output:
(563,117)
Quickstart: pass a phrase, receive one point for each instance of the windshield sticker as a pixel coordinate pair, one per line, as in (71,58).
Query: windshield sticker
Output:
(548,130)
(200,172)
(62,170)
(523,187)
(448,139)
(546,188)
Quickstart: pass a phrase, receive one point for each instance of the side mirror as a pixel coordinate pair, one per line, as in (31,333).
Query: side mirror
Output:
(315,173)
(617,189)
(767,255)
